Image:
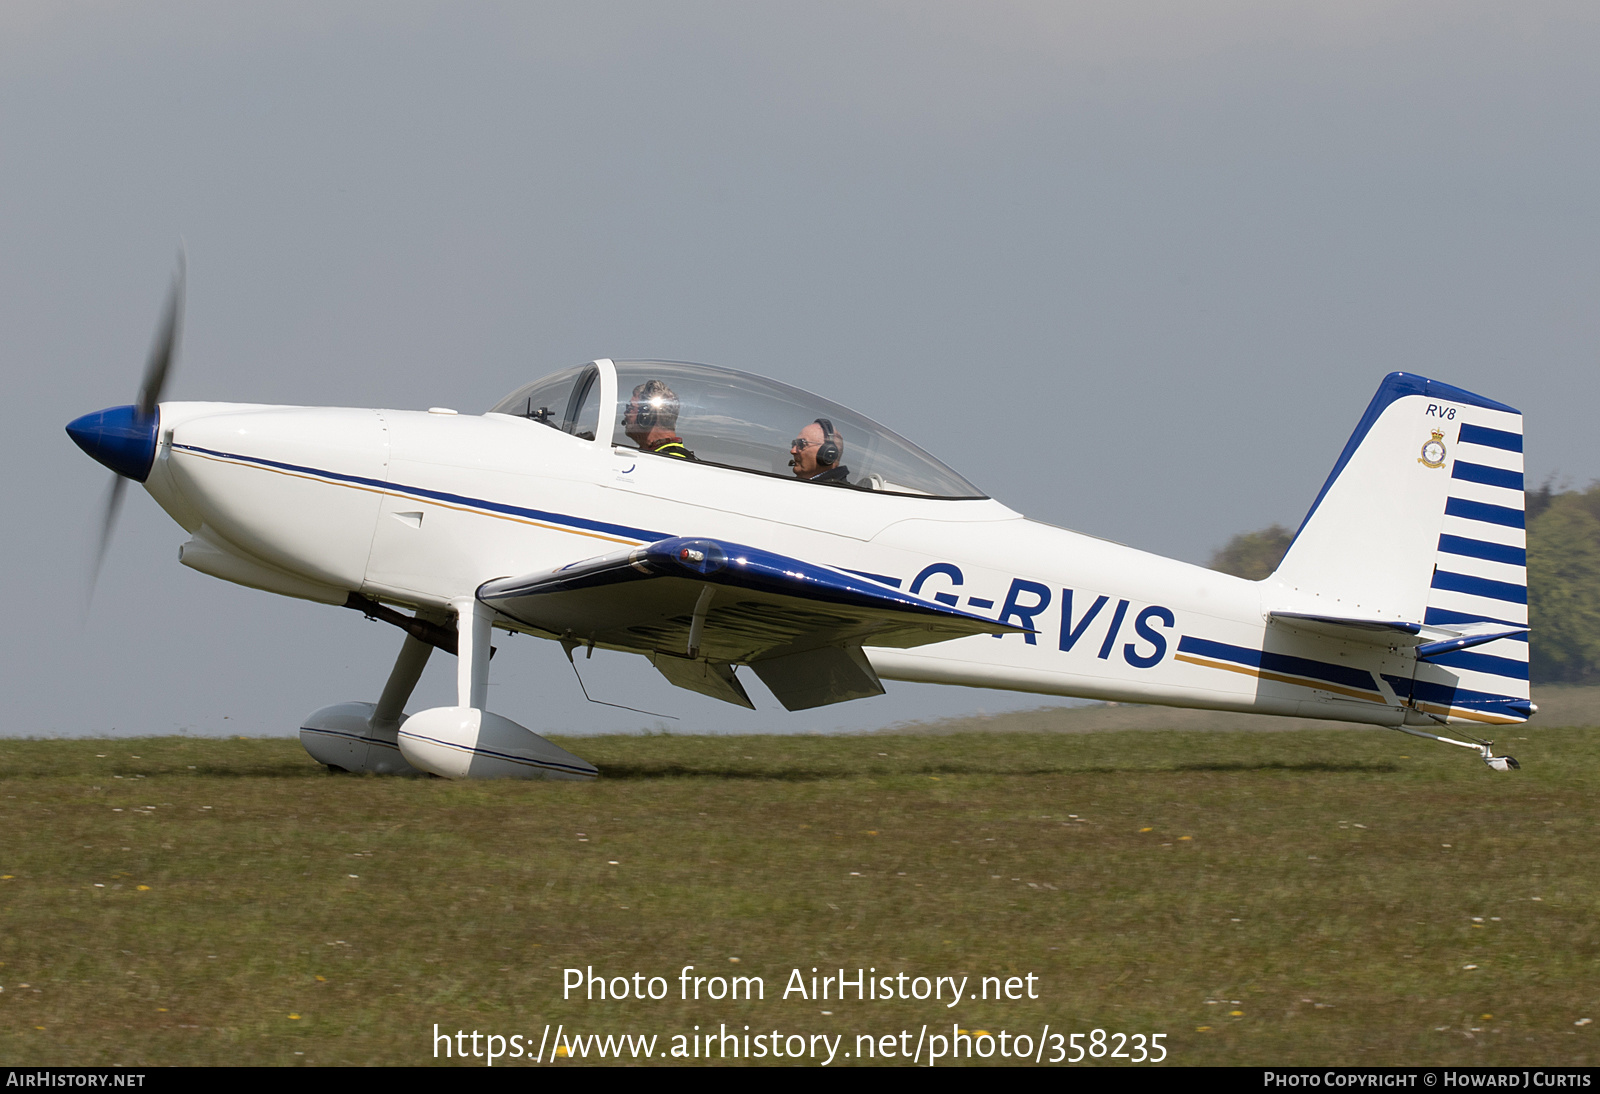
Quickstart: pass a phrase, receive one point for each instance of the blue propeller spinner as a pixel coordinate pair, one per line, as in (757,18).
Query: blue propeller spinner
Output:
(121,438)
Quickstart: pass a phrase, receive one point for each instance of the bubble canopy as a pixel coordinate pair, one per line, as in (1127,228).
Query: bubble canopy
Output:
(733,419)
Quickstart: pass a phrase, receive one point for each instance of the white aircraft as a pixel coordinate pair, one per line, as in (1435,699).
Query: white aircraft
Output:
(662,508)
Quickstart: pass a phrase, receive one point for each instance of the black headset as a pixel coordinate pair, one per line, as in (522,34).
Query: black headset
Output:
(644,413)
(828,451)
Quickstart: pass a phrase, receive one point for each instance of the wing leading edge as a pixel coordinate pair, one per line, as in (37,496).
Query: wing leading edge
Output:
(698,607)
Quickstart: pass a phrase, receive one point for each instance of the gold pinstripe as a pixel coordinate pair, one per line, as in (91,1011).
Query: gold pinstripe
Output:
(409,497)
(1246,670)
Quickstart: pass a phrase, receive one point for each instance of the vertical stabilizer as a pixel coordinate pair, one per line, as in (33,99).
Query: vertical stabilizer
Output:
(1422,521)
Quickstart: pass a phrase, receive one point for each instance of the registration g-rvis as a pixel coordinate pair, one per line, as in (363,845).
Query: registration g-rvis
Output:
(662,509)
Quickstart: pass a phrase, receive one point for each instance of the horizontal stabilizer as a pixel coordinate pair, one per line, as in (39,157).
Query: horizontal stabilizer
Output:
(1429,641)
(1378,632)
(723,603)
(1429,650)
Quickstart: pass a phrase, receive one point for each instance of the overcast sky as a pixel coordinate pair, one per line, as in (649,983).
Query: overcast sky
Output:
(1133,268)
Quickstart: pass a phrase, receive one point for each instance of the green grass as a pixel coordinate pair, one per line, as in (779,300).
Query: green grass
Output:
(1335,884)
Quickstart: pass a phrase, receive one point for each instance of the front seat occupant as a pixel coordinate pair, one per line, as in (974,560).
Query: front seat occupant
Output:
(817,454)
(650,418)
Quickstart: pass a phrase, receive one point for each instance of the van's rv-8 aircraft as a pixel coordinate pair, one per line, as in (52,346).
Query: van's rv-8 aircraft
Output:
(563,513)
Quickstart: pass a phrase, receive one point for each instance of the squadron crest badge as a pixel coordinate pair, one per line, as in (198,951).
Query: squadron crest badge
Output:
(1433,451)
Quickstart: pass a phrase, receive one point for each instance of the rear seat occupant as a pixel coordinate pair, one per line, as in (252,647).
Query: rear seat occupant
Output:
(817,455)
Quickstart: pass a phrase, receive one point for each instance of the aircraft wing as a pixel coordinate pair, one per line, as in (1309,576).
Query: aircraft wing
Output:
(697,607)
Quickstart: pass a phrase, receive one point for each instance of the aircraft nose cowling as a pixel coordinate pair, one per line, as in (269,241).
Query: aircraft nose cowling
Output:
(119,437)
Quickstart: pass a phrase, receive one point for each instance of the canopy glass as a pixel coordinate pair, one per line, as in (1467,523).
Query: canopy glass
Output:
(711,415)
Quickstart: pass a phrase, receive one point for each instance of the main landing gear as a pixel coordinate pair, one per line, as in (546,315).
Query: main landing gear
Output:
(464,741)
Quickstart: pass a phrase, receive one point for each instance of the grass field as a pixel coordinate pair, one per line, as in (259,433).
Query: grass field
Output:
(1330,897)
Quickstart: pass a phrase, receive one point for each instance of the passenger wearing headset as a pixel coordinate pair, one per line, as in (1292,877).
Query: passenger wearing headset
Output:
(650,418)
(817,454)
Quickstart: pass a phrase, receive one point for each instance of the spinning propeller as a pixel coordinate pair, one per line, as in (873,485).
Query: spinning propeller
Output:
(124,437)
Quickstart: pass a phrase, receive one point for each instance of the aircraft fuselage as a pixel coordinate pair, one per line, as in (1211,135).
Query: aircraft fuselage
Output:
(421,508)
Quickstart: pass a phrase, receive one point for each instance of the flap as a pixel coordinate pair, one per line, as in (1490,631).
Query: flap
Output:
(723,602)
(816,678)
(707,677)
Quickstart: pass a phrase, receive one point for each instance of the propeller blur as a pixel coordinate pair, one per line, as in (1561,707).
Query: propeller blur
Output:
(123,438)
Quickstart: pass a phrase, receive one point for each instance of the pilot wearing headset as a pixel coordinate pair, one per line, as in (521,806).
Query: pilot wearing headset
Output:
(817,454)
(650,418)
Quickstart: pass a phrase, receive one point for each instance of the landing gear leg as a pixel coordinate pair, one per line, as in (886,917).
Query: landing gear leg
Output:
(361,737)
(402,682)
(473,619)
(466,741)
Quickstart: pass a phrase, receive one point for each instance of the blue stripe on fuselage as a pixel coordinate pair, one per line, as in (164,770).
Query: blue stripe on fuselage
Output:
(641,534)
(1448,695)
(1279,662)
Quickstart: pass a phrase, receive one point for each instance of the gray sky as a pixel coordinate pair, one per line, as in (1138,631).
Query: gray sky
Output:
(1133,268)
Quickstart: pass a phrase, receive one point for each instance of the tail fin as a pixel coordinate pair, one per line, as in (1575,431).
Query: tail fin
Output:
(1421,522)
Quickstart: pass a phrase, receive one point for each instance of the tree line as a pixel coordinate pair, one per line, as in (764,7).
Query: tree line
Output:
(1563,579)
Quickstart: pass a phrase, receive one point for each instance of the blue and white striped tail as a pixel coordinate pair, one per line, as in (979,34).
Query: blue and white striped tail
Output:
(1480,576)
(1422,523)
